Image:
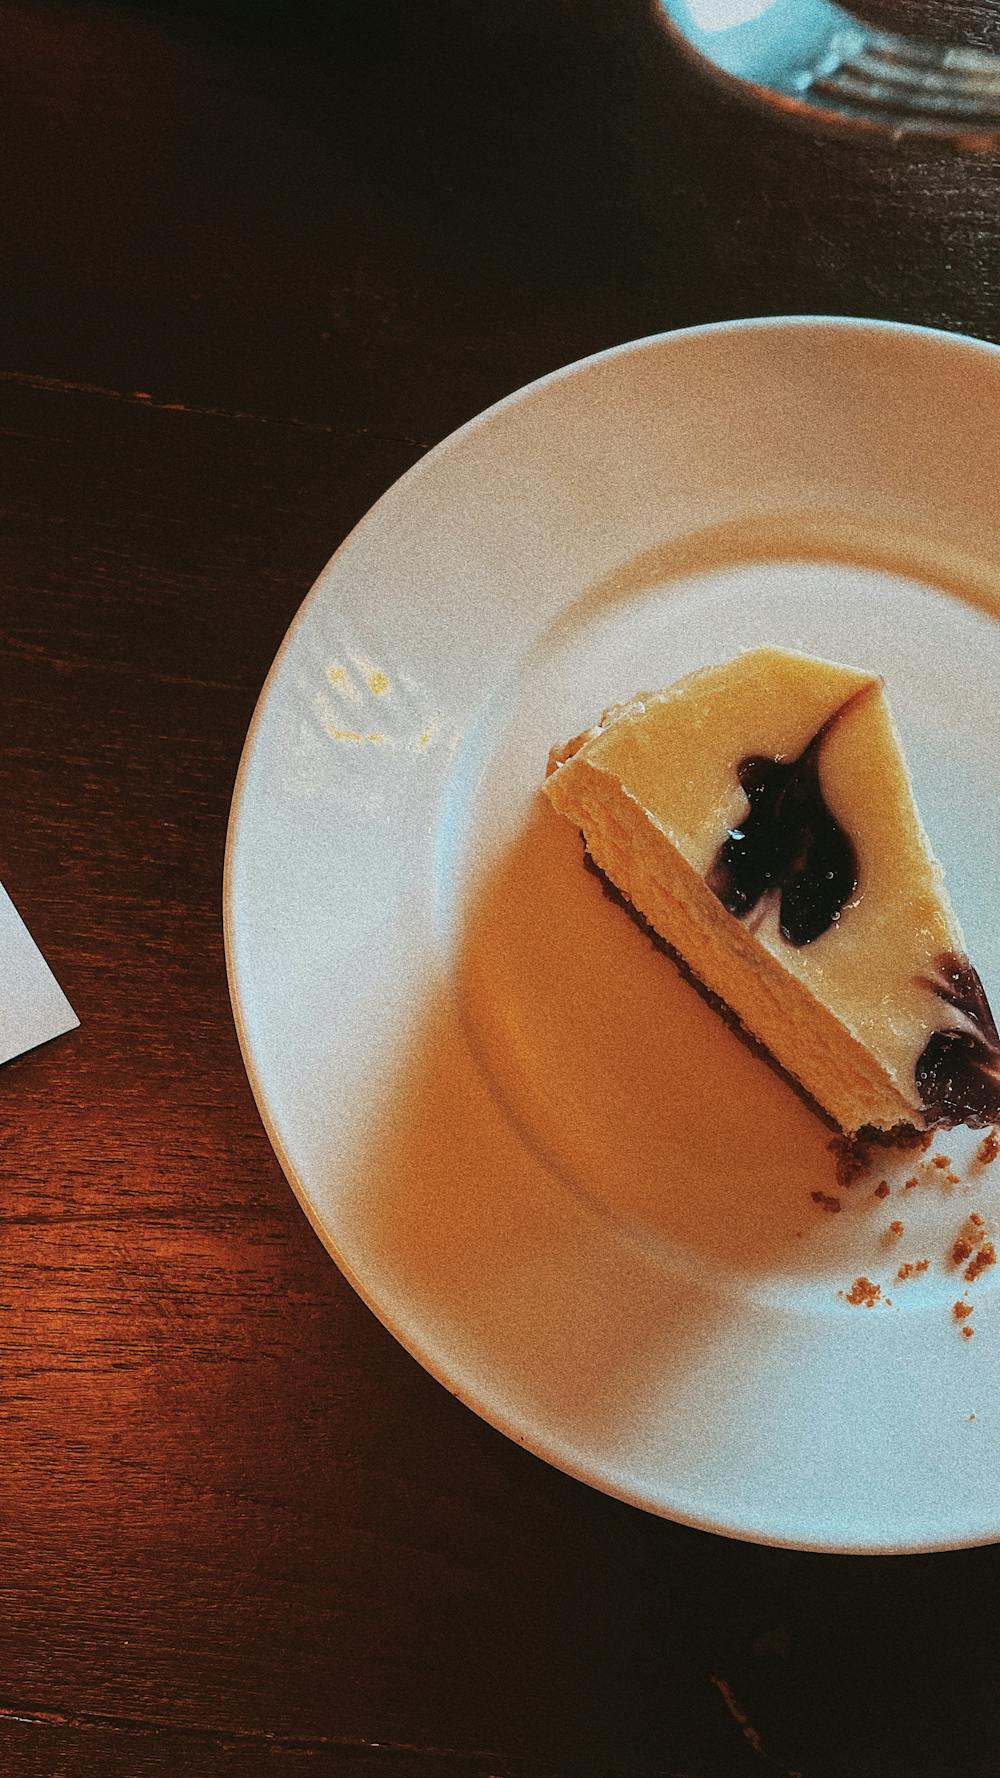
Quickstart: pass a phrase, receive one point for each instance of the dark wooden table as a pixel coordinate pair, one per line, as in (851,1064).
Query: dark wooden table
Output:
(260,258)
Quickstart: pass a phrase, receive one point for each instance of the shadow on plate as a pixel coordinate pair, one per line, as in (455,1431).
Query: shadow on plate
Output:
(579,1177)
(632,1087)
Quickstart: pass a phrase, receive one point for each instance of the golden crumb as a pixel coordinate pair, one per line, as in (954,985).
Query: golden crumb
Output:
(961,1251)
(882,1189)
(961,1309)
(895,1226)
(911,1267)
(975,1219)
(952,1178)
(378,683)
(988,1149)
(853,1157)
(826,1202)
(968,1332)
(863,1292)
(941,1160)
(909,1184)
(986,1257)
(972,1416)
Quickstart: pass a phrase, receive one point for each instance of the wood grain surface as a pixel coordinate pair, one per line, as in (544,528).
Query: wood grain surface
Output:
(259,259)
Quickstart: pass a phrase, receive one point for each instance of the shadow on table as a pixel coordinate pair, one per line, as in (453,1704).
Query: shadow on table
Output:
(531,139)
(543,180)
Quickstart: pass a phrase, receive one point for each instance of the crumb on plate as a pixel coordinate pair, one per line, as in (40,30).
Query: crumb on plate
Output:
(863,1293)
(826,1202)
(988,1149)
(986,1257)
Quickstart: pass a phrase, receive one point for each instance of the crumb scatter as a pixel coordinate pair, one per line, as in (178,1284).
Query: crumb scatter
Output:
(882,1189)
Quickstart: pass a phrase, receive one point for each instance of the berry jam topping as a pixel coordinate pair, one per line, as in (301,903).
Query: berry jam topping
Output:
(958,1074)
(788,842)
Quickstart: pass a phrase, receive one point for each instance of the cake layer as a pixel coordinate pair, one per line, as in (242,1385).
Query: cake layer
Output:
(760,816)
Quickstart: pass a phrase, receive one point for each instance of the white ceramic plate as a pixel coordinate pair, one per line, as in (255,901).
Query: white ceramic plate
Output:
(558,1178)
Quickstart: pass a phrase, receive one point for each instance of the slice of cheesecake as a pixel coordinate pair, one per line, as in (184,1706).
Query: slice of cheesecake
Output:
(760,817)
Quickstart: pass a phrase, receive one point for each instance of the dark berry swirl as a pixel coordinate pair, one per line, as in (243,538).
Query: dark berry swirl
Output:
(958,1073)
(789,842)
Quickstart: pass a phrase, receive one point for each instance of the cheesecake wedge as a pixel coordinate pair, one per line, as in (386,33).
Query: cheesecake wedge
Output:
(759,816)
